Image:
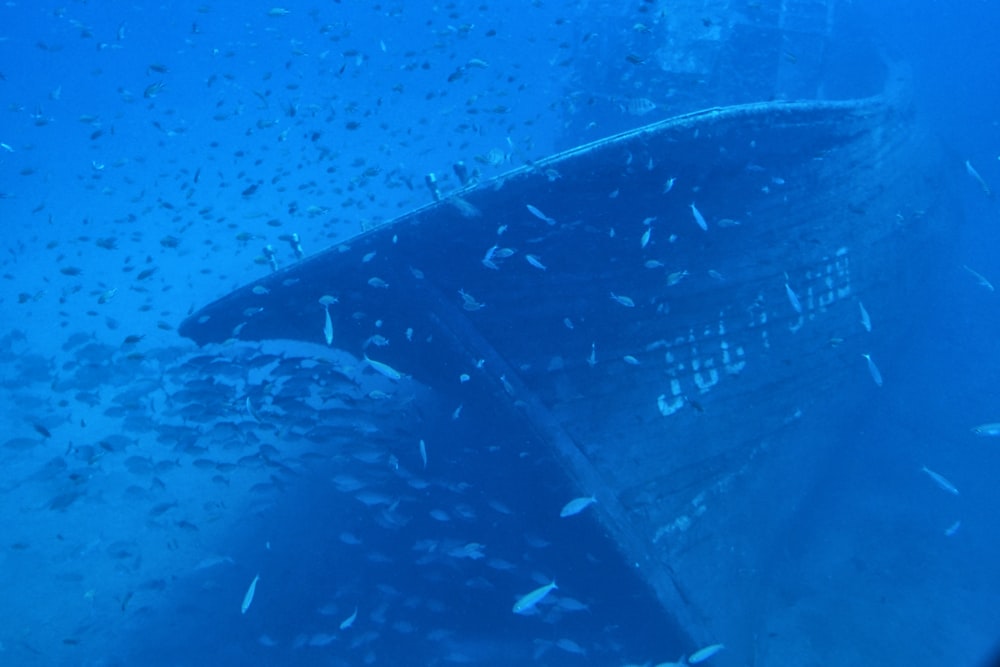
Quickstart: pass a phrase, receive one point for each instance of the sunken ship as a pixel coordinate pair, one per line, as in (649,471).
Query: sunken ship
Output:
(660,312)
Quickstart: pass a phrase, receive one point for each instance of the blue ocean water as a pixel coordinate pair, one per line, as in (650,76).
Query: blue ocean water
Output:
(155,156)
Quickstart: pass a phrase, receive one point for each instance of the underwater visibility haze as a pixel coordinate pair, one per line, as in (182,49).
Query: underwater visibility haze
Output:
(556,333)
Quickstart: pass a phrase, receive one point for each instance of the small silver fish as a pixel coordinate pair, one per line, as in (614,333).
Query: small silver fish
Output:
(375,339)
(384,369)
(675,277)
(992,429)
(488,259)
(873,369)
(577,505)
(699,218)
(623,300)
(469,302)
(793,298)
(636,106)
(349,621)
(866,321)
(248,598)
(980,278)
(535,262)
(570,646)
(941,481)
(703,654)
(541,216)
(528,602)
(979,179)
(251,411)
(328,326)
